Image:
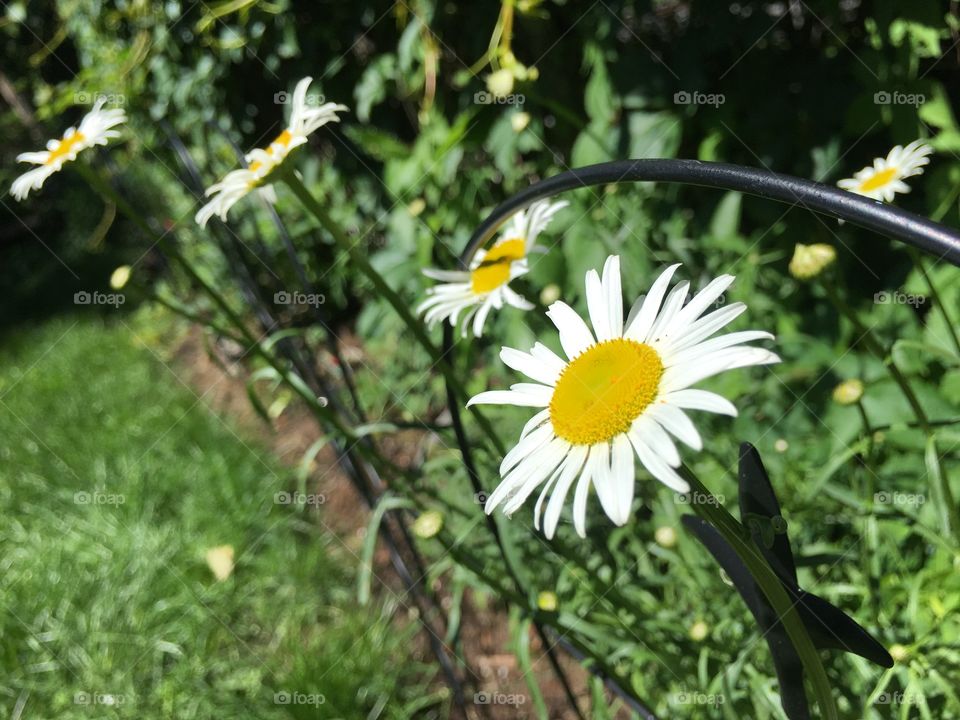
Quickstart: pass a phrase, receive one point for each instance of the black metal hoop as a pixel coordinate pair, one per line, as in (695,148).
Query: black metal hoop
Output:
(933,238)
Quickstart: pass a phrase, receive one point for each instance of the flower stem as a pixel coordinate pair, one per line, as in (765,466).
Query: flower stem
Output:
(938,480)
(710,510)
(921,265)
(415,326)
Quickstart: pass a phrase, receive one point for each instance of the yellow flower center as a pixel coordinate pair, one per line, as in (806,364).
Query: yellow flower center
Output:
(603,390)
(283,139)
(494,271)
(65,147)
(878,180)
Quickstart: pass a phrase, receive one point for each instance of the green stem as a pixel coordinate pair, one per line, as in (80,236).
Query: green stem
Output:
(940,483)
(710,510)
(390,295)
(921,265)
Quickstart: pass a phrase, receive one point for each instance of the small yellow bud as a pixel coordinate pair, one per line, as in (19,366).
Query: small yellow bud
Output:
(416,206)
(547,601)
(665,536)
(119,277)
(428,524)
(500,83)
(519,121)
(699,631)
(810,260)
(220,561)
(899,653)
(781,445)
(848,392)
(550,294)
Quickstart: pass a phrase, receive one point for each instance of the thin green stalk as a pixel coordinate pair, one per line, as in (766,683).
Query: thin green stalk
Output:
(389,294)
(921,265)
(710,510)
(939,482)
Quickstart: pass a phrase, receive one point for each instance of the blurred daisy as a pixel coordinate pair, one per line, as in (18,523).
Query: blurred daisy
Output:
(884,179)
(486,286)
(96,128)
(304,120)
(621,391)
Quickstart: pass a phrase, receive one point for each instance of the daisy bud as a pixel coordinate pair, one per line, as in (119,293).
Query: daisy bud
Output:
(220,561)
(781,445)
(519,121)
(899,653)
(665,536)
(550,294)
(547,601)
(848,392)
(810,260)
(119,277)
(428,524)
(699,631)
(500,83)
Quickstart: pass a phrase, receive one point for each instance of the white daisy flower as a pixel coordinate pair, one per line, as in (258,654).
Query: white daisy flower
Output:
(486,286)
(621,391)
(884,179)
(304,120)
(96,128)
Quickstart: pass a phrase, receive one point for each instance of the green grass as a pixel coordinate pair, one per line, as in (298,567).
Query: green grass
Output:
(114,481)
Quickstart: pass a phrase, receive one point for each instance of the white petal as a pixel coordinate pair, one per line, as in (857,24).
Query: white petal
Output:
(701,400)
(536,421)
(657,467)
(623,469)
(671,306)
(707,326)
(656,437)
(613,295)
(507,397)
(575,336)
(712,345)
(580,497)
(700,302)
(640,327)
(676,422)
(530,366)
(596,305)
(548,460)
(572,466)
(526,447)
(599,465)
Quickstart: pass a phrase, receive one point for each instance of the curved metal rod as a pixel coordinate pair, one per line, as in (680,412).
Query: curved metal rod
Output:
(933,238)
